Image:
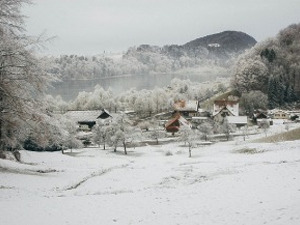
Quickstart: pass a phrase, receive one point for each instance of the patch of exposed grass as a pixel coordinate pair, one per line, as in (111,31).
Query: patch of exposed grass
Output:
(168,153)
(291,135)
(249,151)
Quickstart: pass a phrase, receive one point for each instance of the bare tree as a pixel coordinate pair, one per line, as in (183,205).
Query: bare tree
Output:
(264,125)
(157,131)
(227,128)
(188,136)
(22,78)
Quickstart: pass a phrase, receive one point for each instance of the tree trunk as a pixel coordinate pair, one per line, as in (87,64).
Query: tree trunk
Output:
(190,151)
(1,142)
(125,150)
(104,146)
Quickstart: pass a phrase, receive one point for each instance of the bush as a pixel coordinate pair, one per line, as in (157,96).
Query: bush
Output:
(247,150)
(168,153)
(32,146)
(2,155)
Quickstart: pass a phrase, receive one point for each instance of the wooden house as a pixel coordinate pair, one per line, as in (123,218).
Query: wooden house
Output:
(259,115)
(174,124)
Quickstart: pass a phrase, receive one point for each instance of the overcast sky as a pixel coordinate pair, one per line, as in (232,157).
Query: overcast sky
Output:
(88,27)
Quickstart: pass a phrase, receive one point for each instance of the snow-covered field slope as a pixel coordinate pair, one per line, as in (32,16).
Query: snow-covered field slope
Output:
(232,183)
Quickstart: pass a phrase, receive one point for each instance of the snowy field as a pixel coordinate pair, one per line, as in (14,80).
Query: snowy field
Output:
(230,183)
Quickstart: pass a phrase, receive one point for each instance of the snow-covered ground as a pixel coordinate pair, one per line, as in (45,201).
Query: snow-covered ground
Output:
(233,182)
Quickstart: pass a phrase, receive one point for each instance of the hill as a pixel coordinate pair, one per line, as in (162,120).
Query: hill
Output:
(225,42)
(272,67)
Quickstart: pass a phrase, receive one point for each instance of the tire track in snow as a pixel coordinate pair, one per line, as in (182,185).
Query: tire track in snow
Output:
(94,174)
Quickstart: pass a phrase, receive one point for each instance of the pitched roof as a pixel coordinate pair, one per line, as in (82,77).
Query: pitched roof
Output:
(172,120)
(181,120)
(80,116)
(182,105)
(104,114)
(223,108)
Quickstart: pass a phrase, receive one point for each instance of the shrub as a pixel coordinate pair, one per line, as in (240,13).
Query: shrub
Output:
(168,153)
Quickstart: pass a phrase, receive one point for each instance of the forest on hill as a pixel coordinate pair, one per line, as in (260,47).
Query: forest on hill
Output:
(272,67)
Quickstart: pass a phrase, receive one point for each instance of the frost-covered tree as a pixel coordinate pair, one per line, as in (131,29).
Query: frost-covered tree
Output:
(188,136)
(22,78)
(272,67)
(264,125)
(250,74)
(100,134)
(253,100)
(120,131)
(157,131)
(226,128)
(160,100)
(205,129)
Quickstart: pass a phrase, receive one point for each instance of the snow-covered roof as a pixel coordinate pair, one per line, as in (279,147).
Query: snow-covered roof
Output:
(104,114)
(181,119)
(184,122)
(83,115)
(182,105)
(237,119)
(199,118)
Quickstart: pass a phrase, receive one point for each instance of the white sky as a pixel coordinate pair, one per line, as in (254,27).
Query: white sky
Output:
(88,27)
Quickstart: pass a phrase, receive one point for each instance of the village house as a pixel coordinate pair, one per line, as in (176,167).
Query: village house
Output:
(86,120)
(258,116)
(280,114)
(174,124)
(188,108)
(224,108)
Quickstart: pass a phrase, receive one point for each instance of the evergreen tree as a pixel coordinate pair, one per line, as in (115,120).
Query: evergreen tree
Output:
(272,93)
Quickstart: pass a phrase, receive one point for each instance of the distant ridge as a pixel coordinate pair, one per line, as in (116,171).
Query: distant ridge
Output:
(229,41)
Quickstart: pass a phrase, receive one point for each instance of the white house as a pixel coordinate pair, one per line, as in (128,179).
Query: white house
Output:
(225,108)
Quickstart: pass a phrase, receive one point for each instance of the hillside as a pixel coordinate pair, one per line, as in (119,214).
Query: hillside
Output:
(273,67)
(155,185)
(223,43)
(214,51)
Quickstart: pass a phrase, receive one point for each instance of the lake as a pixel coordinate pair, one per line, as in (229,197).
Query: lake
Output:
(69,89)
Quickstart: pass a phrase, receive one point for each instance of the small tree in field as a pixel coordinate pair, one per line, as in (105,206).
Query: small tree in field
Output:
(227,128)
(244,130)
(205,129)
(120,132)
(100,134)
(157,131)
(265,125)
(189,137)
